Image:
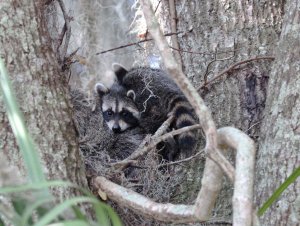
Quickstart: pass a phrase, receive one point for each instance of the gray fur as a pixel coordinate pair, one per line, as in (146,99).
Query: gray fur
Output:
(156,96)
(99,145)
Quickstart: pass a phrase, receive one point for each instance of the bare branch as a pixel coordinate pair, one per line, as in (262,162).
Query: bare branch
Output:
(135,43)
(140,204)
(215,60)
(147,144)
(186,87)
(244,173)
(182,160)
(243,188)
(66,30)
(232,67)
(173,29)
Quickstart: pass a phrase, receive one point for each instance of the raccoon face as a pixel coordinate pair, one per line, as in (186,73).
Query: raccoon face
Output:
(119,110)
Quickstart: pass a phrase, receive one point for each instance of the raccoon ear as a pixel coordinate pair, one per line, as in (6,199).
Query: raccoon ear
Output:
(101,89)
(131,94)
(120,71)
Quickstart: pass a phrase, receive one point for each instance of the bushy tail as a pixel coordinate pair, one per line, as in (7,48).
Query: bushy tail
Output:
(184,116)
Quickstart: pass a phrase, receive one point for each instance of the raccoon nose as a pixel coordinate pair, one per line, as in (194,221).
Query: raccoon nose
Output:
(116,129)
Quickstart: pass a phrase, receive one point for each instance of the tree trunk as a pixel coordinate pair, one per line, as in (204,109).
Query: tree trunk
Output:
(280,132)
(216,35)
(42,92)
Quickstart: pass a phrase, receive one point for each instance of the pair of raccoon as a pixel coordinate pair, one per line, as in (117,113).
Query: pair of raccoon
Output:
(146,97)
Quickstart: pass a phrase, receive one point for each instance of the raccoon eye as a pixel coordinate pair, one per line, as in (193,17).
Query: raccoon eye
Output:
(109,112)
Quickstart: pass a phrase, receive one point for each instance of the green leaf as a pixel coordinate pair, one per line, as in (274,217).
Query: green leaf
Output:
(1,222)
(115,219)
(279,191)
(25,141)
(79,215)
(36,186)
(101,214)
(51,215)
(19,204)
(71,223)
(26,216)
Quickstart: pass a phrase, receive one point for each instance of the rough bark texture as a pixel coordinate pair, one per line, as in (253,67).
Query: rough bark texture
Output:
(280,134)
(41,90)
(212,30)
(237,30)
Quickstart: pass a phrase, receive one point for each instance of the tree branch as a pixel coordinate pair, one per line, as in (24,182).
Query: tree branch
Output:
(244,172)
(174,39)
(243,188)
(232,67)
(140,204)
(187,88)
(147,144)
(135,43)
(66,31)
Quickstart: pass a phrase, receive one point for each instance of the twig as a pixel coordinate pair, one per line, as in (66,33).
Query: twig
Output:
(135,43)
(174,39)
(154,140)
(147,144)
(181,161)
(253,126)
(66,30)
(232,67)
(215,60)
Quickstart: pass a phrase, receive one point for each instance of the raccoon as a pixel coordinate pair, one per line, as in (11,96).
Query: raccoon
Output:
(118,107)
(156,97)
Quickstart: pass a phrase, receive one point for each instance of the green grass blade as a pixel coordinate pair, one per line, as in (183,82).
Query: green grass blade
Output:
(27,147)
(30,209)
(101,214)
(279,191)
(71,223)
(79,215)
(36,186)
(56,211)
(19,204)
(1,222)
(115,219)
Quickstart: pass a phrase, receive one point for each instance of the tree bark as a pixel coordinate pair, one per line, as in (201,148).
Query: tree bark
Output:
(279,142)
(42,92)
(234,31)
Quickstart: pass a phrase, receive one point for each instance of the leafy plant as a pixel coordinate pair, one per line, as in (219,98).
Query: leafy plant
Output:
(32,203)
(279,191)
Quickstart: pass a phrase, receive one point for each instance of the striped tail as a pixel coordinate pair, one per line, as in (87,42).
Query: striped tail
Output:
(184,116)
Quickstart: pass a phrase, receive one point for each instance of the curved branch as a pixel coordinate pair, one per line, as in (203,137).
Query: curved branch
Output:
(140,204)
(211,185)
(244,173)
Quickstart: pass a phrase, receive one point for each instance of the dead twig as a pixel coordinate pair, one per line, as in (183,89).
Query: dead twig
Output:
(207,72)
(66,31)
(232,67)
(147,144)
(173,26)
(135,43)
(183,160)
